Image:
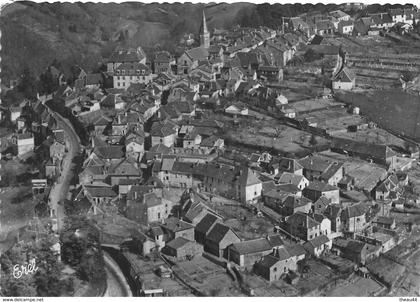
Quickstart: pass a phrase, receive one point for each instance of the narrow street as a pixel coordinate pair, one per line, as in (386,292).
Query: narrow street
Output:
(60,189)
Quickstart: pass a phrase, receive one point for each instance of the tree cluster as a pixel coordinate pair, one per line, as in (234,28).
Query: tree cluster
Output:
(80,248)
(45,281)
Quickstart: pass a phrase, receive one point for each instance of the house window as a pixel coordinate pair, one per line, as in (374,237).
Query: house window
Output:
(123,72)
(143,71)
(144,78)
(275,269)
(158,215)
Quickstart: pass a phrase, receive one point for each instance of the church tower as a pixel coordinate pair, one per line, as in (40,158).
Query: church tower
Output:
(204,33)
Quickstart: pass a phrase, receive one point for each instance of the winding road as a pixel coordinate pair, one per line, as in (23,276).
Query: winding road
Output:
(117,285)
(60,189)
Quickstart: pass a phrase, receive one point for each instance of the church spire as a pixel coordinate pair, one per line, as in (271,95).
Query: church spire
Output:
(204,23)
(204,33)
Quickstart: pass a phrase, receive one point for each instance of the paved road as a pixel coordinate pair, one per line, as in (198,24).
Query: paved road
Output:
(61,188)
(117,285)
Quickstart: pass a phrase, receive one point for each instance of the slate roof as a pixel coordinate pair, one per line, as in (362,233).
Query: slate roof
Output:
(356,210)
(132,67)
(317,241)
(100,191)
(257,245)
(385,220)
(345,75)
(315,163)
(175,225)
(295,202)
(321,203)
(109,152)
(302,219)
(295,249)
(206,223)
(124,167)
(198,53)
(128,55)
(94,79)
(268,261)
(218,232)
(163,57)
(320,186)
(177,243)
(287,177)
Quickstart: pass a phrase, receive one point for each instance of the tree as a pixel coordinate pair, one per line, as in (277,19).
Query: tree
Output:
(47,82)
(313,140)
(28,84)
(45,281)
(81,248)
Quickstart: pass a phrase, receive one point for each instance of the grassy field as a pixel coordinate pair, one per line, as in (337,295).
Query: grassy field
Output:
(390,109)
(357,287)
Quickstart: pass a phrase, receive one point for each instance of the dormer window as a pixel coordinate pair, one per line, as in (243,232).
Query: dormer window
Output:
(138,71)
(118,72)
(123,72)
(143,71)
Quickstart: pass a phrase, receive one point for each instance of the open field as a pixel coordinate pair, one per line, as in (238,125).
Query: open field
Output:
(390,109)
(355,287)
(334,119)
(376,136)
(206,276)
(318,276)
(263,288)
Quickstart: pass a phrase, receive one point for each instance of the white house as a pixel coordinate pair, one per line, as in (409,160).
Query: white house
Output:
(237,109)
(25,143)
(128,73)
(345,27)
(15,113)
(344,80)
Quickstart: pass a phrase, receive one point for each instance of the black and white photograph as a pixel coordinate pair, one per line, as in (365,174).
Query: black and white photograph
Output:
(209,149)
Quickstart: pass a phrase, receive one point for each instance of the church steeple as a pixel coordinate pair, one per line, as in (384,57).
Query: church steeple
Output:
(204,33)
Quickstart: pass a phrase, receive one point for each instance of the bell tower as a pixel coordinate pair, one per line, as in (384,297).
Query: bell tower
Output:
(204,33)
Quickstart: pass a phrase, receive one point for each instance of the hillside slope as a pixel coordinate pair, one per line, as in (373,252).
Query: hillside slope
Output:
(85,33)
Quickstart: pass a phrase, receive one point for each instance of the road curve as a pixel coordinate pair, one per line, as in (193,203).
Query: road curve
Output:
(117,285)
